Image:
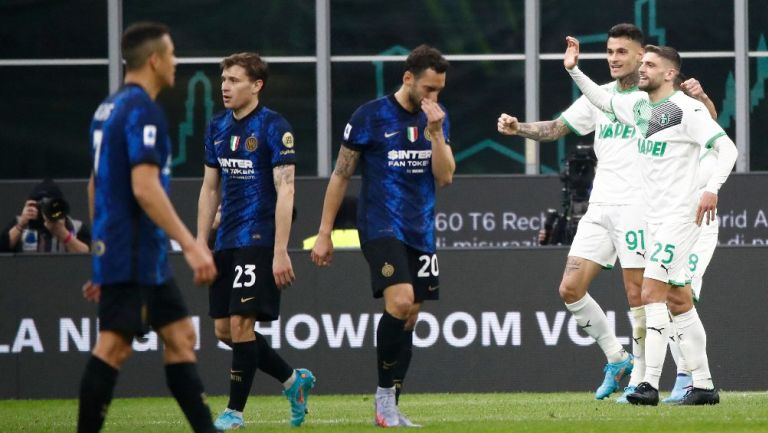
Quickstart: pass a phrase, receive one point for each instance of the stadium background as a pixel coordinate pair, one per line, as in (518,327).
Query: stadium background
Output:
(55,68)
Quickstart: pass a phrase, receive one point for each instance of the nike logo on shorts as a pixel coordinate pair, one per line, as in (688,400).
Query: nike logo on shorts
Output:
(244,300)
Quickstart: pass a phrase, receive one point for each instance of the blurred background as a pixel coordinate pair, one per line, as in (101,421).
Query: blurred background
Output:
(329,56)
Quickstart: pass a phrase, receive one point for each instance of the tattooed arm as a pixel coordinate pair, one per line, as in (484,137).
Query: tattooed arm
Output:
(322,252)
(549,130)
(282,269)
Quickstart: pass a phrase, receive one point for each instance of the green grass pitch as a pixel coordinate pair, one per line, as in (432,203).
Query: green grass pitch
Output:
(460,413)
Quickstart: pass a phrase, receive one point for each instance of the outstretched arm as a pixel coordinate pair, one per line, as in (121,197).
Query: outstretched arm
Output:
(549,130)
(598,96)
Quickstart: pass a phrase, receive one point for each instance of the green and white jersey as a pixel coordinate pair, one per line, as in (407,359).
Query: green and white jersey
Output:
(672,134)
(617,176)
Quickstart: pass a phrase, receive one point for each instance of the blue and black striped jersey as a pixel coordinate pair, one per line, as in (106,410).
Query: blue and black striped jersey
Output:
(128,129)
(245,151)
(397,198)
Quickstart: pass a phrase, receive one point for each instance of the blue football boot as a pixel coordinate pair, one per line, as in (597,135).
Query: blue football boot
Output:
(614,373)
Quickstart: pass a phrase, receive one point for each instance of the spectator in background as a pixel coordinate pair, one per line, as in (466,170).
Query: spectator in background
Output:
(45,226)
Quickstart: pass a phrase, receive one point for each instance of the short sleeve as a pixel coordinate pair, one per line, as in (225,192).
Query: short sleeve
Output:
(211,159)
(357,133)
(144,133)
(700,126)
(281,141)
(580,116)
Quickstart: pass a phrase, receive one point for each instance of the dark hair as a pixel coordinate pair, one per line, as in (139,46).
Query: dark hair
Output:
(665,52)
(629,31)
(134,43)
(425,57)
(255,67)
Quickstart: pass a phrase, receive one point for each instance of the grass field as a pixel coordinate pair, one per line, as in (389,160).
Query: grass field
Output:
(464,413)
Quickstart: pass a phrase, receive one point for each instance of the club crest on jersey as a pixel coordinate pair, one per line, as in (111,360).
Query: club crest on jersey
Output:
(251,143)
(387,270)
(664,119)
(234,142)
(413,133)
(427,136)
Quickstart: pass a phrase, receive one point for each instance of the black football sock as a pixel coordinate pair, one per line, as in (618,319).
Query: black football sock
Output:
(271,362)
(403,362)
(96,387)
(187,389)
(388,341)
(245,359)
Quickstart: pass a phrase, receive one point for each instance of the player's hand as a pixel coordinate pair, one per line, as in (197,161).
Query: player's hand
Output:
(435,115)
(282,269)
(707,206)
(57,227)
(28,213)
(200,260)
(693,88)
(91,292)
(571,58)
(322,252)
(507,124)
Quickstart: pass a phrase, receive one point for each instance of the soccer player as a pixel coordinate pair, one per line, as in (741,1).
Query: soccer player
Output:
(401,141)
(613,223)
(672,129)
(249,169)
(698,260)
(132,219)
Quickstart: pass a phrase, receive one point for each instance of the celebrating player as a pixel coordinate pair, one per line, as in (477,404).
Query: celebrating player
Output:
(249,169)
(402,143)
(131,215)
(613,223)
(672,129)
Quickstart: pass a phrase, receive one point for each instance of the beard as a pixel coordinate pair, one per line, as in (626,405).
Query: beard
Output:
(649,86)
(414,99)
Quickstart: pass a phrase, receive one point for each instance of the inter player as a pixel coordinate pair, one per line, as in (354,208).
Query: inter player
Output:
(249,168)
(131,215)
(672,129)
(401,141)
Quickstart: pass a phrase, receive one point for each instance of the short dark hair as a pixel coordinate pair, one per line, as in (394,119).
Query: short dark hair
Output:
(425,57)
(255,67)
(629,31)
(134,43)
(666,52)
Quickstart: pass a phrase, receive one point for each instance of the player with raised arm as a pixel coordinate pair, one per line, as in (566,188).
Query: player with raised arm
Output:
(401,141)
(249,169)
(673,128)
(612,226)
(132,220)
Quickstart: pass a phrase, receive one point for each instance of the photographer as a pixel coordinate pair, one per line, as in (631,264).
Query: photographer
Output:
(45,226)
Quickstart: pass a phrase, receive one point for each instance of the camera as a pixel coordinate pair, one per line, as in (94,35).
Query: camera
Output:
(576,177)
(53,208)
